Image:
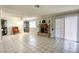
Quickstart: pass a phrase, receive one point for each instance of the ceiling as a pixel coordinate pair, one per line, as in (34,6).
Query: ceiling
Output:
(31,11)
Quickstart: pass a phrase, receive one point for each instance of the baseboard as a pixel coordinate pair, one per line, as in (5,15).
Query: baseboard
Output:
(64,39)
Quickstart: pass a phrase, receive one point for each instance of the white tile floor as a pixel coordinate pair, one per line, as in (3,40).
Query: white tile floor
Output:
(26,43)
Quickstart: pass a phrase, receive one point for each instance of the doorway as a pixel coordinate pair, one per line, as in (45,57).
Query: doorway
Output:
(26,26)
(4,27)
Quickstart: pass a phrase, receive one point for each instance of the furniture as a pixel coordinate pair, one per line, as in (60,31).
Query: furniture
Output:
(15,30)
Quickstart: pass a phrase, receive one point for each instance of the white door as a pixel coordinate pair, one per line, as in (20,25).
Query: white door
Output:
(59,28)
(71,28)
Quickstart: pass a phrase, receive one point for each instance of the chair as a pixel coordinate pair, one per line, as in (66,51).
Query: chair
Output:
(15,30)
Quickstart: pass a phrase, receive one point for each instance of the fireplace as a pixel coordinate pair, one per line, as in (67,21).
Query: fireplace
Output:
(43,28)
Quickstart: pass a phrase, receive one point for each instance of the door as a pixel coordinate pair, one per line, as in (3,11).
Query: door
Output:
(59,28)
(26,26)
(71,28)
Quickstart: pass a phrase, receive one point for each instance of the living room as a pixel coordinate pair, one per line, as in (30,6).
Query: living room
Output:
(39,28)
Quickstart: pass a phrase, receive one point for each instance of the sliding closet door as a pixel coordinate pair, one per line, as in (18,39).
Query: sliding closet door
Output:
(71,28)
(59,28)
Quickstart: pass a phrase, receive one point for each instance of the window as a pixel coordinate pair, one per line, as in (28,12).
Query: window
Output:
(32,24)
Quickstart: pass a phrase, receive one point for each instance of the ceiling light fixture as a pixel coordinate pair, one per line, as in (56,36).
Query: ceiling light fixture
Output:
(36,6)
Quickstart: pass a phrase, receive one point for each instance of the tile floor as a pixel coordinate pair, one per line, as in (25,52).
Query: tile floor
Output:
(25,43)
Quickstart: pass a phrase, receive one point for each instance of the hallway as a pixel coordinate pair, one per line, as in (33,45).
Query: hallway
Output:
(29,43)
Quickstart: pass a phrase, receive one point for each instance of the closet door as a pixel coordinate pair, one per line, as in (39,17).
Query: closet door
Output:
(71,28)
(59,28)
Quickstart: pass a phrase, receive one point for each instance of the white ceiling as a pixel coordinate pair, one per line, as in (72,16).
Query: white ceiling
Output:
(29,10)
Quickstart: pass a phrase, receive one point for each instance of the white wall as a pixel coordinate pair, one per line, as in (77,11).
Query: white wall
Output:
(52,25)
(12,21)
(15,21)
